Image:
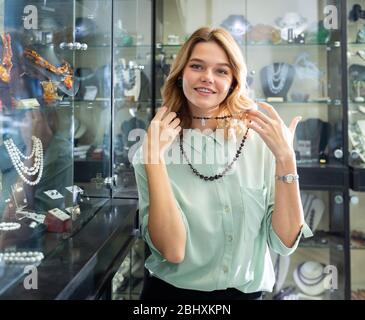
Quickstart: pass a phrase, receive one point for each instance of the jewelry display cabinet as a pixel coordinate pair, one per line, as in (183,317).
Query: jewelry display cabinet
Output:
(355,72)
(356,139)
(75,80)
(294,53)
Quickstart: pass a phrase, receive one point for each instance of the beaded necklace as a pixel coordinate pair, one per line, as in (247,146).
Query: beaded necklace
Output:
(223,173)
(308,281)
(16,157)
(215,118)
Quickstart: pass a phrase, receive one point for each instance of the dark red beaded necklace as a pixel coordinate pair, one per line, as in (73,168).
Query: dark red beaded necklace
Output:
(217,176)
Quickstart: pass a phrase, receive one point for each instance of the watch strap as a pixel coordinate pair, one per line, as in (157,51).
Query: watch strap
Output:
(288,178)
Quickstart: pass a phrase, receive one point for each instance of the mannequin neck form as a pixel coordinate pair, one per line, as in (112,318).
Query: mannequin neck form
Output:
(267,77)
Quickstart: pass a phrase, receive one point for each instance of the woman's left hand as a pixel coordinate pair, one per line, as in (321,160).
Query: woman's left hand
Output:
(272,129)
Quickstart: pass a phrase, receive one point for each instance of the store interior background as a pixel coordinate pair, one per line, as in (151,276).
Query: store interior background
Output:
(106,113)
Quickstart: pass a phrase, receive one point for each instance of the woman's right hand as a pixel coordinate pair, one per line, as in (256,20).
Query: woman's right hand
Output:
(161,133)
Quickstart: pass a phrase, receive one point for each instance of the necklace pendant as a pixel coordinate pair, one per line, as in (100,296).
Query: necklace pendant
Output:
(203,122)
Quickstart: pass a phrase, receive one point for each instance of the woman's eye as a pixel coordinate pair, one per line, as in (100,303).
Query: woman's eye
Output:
(222,71)
(196,66)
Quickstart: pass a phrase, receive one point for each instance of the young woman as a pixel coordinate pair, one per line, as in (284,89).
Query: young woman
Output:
(210,213)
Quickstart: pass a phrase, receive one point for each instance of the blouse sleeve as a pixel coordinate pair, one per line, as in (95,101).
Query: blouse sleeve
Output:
(143,201)
(273,239)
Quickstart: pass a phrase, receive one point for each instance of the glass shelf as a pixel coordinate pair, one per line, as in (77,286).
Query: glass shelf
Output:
(355,246)
(356,44)
(316,165)
(100,100)
(310,102)
(322,102)
(321,240)
(355,102)
(245,45)
(92,46)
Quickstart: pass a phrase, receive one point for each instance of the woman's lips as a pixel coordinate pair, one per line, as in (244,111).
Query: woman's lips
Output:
(204,92)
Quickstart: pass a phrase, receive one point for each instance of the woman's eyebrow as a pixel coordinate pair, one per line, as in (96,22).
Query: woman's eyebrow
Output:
(202,61)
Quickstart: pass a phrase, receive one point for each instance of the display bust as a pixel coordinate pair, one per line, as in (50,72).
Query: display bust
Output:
(276,79)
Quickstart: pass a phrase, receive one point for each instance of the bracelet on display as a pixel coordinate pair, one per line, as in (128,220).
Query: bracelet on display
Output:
(9,226)
(39,218)
(24,257)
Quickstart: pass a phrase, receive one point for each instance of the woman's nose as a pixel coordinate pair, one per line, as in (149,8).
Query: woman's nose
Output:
(207,76)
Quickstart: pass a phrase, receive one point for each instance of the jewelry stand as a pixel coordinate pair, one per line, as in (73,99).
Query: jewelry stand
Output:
(313,208)
(310,278)
(135,89)
(311,139)
(276,80)
(357,76)
(358,97)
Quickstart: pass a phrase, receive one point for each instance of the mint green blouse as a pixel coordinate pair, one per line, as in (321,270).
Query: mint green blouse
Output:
(228,221)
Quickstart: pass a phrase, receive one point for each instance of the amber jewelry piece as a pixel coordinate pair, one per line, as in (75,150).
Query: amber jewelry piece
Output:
(50,91)
(65,70)
(6,63)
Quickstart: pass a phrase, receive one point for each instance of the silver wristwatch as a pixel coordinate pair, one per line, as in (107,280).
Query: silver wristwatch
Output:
(289,178)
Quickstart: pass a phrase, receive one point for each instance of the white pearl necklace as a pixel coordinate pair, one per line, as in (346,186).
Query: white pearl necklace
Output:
(22,257)
(16,157)
(9,226)
(276,79)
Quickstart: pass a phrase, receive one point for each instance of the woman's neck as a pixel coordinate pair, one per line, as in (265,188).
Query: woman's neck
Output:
(206,123)
(209,124)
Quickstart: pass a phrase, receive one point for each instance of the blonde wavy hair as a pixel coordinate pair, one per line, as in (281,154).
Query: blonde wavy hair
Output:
(236,102)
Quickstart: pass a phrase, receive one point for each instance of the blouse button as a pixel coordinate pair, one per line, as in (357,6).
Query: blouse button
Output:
(230,238)
(225,269)
(226,209)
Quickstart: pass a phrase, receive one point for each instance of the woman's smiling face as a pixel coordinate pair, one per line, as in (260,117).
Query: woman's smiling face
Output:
(207,77)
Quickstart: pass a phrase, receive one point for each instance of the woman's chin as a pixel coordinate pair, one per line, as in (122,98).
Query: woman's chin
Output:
(204,104)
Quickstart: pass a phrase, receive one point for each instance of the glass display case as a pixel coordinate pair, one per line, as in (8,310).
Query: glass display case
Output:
(357,233)
(75,94)
(78,90)
(294,53)
(356,141)
(128,281)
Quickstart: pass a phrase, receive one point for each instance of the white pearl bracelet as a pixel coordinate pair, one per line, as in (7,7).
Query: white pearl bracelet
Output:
(9,226)
(22,257)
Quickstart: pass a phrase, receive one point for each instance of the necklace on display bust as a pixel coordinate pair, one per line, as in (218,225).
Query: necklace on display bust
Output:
(276,77)
(223,173)
(216,118)
(16,157)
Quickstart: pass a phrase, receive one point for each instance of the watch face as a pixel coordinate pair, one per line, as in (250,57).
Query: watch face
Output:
(289,178)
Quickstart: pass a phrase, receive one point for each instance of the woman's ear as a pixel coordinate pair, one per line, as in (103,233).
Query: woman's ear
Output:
(179,82)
